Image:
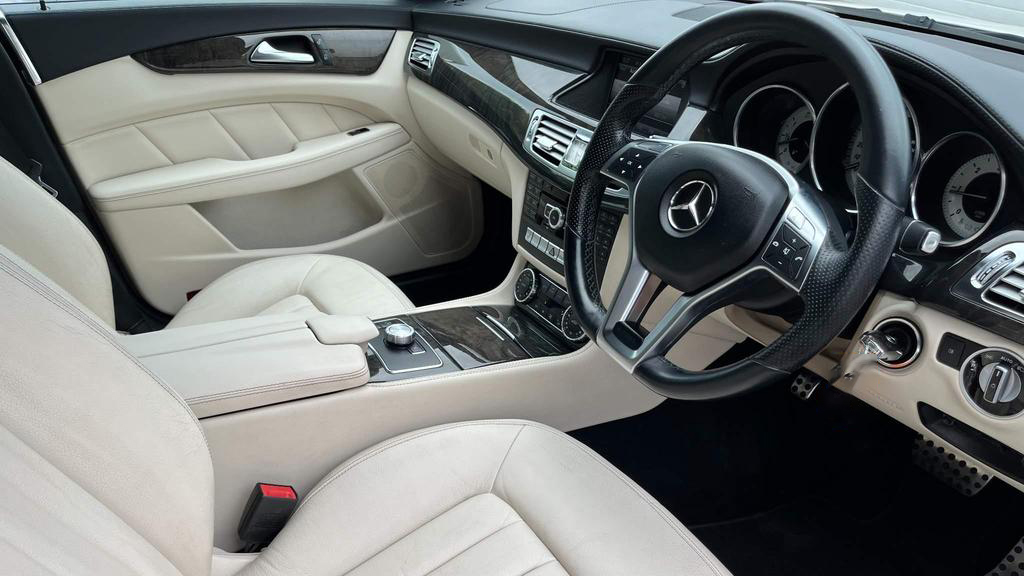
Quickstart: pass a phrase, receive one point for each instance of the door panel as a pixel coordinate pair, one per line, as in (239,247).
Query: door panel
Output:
(196,173)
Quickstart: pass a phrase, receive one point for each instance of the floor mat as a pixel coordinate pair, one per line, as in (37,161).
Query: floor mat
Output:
(800,539)
(778,487)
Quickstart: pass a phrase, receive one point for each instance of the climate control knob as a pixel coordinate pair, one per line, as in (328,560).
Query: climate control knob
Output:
(570,326)
(526,286)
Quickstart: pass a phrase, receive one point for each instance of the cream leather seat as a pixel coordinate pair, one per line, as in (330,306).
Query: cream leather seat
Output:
(106,471)
(38,228)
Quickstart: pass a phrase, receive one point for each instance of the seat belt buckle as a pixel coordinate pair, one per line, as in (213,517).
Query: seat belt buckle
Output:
(36,174)
(265,514)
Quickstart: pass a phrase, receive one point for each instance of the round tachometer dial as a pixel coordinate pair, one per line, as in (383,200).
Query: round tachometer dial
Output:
(776,121)
(972,194)
(959,187)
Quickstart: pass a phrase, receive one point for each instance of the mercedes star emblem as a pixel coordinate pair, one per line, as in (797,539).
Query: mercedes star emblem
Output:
(691,205)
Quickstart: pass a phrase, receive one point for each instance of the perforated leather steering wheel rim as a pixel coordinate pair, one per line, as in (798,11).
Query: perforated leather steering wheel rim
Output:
(839,279)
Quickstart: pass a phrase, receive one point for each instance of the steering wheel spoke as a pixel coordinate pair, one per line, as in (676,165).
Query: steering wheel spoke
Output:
(627,165)
(630,344)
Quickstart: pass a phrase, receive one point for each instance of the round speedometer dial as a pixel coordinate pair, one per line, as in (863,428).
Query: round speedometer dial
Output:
(837,148)
(971,195)
(851,159)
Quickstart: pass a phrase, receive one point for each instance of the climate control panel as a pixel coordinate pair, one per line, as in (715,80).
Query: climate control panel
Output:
(549,303)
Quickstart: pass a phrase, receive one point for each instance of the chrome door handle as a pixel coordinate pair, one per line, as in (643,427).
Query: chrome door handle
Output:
(267,54)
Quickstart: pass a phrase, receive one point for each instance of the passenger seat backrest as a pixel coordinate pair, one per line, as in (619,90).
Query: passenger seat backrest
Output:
(40,230)
(104,470)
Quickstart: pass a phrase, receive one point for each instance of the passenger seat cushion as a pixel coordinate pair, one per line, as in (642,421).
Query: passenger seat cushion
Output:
(496,497)
(289,284)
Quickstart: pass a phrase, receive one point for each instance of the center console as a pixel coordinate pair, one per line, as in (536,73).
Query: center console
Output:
(540,323)
(542,226)
(455,339)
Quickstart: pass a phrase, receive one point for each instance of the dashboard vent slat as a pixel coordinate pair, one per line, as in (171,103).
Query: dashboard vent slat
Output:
(1008,291)
(552,138)
(422,53)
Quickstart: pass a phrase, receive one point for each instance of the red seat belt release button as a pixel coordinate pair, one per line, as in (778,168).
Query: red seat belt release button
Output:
(266,512)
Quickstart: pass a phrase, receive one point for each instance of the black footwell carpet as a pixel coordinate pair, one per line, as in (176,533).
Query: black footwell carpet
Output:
(778,487)
(800,539)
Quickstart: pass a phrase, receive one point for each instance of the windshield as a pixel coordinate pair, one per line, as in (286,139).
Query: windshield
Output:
(998,16)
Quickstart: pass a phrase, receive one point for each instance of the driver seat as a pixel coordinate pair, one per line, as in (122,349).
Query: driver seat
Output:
(106,471)
(38,228)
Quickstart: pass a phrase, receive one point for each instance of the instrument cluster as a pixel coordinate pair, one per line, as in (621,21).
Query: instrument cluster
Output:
(959,182)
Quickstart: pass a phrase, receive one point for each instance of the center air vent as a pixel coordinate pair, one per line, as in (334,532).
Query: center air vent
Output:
(422,53)
(1008,291)
(556,142)
(551,138)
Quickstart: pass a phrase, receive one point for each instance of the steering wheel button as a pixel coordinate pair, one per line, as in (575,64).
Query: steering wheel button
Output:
(793,238)
(797,218)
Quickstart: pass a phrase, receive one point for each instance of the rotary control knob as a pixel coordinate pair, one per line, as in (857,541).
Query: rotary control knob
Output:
(991,379)
(526,286)
(570,326)
(399,334)
(555,218)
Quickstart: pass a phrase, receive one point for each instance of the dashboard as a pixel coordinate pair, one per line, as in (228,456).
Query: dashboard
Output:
(541,78)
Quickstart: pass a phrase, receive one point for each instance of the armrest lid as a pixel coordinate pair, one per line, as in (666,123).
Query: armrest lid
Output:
(342,329)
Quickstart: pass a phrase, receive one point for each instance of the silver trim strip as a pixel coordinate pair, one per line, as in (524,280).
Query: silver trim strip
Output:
(5,26)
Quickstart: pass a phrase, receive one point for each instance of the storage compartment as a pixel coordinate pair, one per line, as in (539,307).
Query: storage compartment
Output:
(328,209)
(234,365)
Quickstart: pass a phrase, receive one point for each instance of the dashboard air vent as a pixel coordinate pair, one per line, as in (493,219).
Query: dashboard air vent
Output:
(1008,291)
(422,53)
(551,139)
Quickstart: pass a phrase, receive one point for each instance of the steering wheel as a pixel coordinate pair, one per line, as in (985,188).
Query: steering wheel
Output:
(718,222)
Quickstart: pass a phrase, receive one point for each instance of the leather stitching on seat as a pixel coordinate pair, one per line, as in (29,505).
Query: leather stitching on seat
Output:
(394,443)
(504,459)
(403,300)
(541,565)
(471,546)
(23,276)
(670,521)
(302,281)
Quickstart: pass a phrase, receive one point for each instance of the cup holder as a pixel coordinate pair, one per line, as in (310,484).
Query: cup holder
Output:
(907,337)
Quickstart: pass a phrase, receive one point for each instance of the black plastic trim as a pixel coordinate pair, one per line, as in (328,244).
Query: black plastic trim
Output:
(978,445)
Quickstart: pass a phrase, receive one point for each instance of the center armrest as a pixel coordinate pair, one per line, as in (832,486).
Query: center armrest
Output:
(240,364)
